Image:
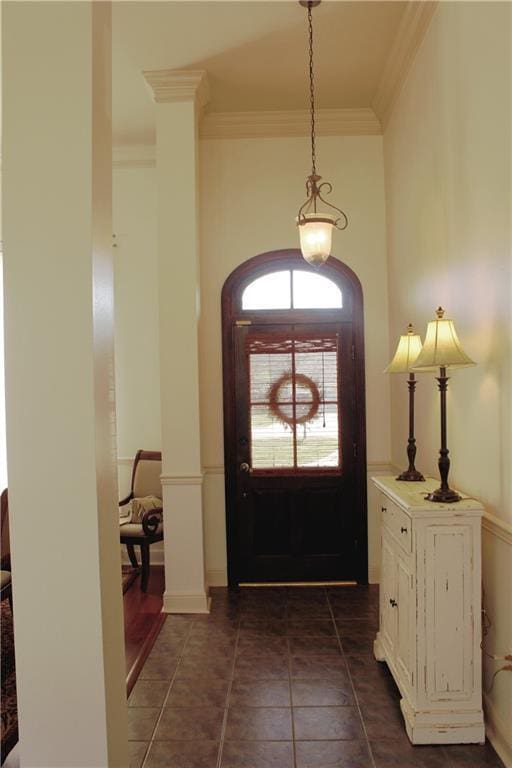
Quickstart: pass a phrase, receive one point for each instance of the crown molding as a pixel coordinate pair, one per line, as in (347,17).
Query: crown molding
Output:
(253,125)
(170,85)
(259,125)
(411,31)
(133,156)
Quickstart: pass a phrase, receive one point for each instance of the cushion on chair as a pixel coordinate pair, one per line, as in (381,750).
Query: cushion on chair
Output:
(5,578)
(147,479)
(141,505)
(136,530)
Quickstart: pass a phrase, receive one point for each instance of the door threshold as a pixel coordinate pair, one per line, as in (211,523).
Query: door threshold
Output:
(298,584)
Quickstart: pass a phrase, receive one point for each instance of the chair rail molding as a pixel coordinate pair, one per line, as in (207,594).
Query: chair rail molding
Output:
(497,527)
(181,479)
(411,31)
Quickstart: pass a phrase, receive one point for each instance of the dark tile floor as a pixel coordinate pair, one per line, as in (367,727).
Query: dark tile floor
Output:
(277,678)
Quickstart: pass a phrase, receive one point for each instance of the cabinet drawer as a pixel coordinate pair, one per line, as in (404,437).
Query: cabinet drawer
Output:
(397,523)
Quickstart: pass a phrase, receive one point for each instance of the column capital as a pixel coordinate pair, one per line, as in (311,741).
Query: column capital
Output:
(170,85)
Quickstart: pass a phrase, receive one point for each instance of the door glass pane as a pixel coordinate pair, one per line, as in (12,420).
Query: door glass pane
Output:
(293,385)
(312,291)
(271,439)
(268,292)
(264,370)
(317,441)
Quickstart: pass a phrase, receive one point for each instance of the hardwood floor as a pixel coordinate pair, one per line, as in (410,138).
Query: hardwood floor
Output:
(142,621)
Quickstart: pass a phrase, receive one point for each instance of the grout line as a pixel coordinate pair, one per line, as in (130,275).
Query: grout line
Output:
(228,695)
(352,685)
(159,718)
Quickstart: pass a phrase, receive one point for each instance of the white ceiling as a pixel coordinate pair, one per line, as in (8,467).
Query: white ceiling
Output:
(255,54)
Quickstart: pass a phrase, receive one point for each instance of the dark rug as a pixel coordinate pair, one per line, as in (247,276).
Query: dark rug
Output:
(8,703)
(129,575)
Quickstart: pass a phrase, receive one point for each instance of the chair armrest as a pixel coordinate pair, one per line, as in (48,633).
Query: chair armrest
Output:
(151,519)
(126,500)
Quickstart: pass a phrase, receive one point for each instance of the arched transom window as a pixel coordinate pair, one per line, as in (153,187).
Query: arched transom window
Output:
(292,289)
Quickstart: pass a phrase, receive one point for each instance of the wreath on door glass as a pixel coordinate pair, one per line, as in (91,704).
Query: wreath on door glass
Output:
(275,406)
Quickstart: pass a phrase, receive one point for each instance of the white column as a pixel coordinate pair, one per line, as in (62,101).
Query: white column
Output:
(179,96)
(57,235)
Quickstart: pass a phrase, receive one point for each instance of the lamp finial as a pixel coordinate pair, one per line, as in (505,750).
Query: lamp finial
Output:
(440,312)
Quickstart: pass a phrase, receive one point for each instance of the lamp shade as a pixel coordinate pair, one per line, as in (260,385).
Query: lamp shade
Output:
(408,349)
(442,348)
(315,230)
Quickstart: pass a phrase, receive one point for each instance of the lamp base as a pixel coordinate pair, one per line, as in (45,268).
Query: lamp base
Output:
(443,496)
(411,476)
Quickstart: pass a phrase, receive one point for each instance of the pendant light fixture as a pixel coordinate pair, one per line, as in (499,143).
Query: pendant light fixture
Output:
(315,226)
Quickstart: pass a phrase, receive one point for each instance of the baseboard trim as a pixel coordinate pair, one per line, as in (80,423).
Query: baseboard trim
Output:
(217,577)
(496,732)
(186,603)
(144,652)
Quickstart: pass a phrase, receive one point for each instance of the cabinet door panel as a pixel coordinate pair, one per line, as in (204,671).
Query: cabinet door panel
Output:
(405,641)
(388,614)
(449,622)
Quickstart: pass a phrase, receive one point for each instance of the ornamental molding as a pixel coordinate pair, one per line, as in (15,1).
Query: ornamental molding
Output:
(411,31)
(276,124)
(171,85)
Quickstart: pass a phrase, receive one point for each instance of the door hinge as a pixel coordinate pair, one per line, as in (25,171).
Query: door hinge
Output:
(353,352)
(354,448)
(243,322)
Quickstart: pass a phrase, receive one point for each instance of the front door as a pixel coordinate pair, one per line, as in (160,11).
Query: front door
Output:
(294,453)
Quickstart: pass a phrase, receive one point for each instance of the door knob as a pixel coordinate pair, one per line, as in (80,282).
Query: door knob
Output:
(244,467)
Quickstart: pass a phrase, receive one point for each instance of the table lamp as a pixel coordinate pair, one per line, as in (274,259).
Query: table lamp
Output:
(407,351)
(442,349)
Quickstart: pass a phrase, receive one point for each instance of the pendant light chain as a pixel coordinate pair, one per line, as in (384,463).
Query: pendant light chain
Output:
(316,227)
(312,91)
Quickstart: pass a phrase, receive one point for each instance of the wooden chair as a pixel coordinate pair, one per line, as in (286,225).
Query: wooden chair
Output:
(146,472)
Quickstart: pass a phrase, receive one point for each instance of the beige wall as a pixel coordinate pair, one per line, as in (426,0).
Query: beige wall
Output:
(136,315)
(250,192)
(447,164)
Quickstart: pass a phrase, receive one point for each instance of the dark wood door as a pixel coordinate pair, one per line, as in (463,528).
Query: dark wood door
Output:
(295,437)
(294,432)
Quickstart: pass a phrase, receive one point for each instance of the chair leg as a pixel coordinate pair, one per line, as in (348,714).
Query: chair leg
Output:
(144,554)
(132,555)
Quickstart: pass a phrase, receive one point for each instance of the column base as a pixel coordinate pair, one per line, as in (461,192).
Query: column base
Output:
(186,603)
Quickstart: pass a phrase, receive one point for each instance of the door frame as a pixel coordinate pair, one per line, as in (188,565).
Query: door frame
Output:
(345,278)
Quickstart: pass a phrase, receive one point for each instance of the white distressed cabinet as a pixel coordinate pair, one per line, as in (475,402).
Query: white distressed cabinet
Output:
(430,599)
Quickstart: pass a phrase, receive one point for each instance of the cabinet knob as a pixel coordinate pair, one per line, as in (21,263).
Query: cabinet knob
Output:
(383,509)
(403,530)
(393,603)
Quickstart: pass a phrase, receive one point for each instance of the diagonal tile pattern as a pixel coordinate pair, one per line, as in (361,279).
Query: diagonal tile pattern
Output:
(277,678)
